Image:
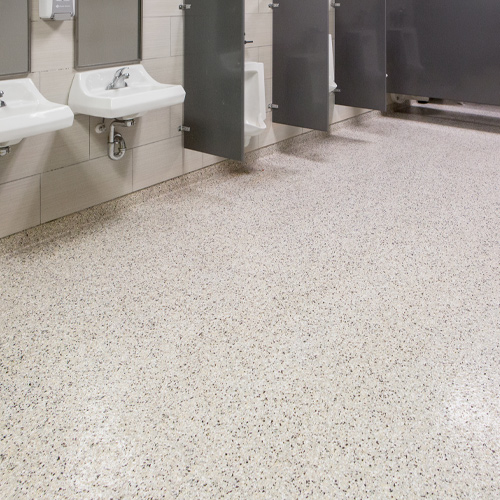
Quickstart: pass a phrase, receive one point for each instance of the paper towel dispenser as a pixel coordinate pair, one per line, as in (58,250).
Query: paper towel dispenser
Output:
(57,10)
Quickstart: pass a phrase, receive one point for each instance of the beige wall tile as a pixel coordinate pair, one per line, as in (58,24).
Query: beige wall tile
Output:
(156,8)
(71,189)
(259,28)
(176,36)
(51,45)
(266,57)
(46,152)
(55,85)
(156,37)
(35,77)
(251,6)
(341,113)
(166,70)
(152,127)
(176,119)
(253,144)
(210,159)
(251,53)
(35,10)
(19,205)
(331,108)
(269,93)
(264,6)
(276,132)
(192,160)
(157,162)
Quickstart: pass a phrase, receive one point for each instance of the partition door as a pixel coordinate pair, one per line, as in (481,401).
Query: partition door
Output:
(360,53)
(213,77)
(300,63)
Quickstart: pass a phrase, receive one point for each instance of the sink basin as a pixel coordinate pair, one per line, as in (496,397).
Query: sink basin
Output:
(89,96)
(28,113)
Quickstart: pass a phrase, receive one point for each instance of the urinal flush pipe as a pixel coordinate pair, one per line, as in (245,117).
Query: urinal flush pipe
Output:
(116,143)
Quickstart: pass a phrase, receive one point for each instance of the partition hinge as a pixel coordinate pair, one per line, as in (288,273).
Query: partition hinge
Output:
(273,106)
(336,91)
(335,5)
(186,6)
(183,128)
(274,5)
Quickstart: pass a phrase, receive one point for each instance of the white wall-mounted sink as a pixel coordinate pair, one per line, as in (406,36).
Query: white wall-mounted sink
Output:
(28,113)
(89,95)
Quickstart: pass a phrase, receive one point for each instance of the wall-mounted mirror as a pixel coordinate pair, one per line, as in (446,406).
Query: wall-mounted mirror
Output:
(108,33)
(14,37)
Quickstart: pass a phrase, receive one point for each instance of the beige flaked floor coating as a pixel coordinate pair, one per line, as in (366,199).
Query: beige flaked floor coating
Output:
(324,323)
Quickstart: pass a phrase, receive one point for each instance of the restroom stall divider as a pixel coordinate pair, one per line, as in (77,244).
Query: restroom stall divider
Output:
(214,77)
(448,49)
(360,53)
(300,63)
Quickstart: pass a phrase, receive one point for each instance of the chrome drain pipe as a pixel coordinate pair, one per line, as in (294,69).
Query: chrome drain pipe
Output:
(116,143)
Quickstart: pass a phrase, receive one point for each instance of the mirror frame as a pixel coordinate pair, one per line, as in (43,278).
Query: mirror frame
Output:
(78,67)
(7,76)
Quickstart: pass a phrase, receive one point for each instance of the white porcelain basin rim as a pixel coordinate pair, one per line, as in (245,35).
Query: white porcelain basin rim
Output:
(89,95)
(28,113)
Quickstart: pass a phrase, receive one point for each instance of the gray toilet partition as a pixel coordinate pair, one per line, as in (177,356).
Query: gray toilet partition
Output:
(447,49)
(214,71)
(360,53)
(300,63)
(214,77)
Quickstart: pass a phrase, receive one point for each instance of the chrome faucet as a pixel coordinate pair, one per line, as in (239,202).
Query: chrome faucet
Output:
(119,80)
(2,103)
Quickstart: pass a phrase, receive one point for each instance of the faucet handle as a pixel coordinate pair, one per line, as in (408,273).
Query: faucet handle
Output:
(1,93)
(120,71)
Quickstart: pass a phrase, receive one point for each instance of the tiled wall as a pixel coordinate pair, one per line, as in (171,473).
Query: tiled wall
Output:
(54,174)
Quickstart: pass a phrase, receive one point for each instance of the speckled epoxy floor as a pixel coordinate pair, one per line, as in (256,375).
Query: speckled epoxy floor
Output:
(322,324)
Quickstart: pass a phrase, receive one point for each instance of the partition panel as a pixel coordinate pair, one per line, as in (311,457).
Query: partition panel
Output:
(213,77)
(300,64)
(447,49)
(360,53)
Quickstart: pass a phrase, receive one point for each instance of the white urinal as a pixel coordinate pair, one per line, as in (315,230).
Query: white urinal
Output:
(255,101)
